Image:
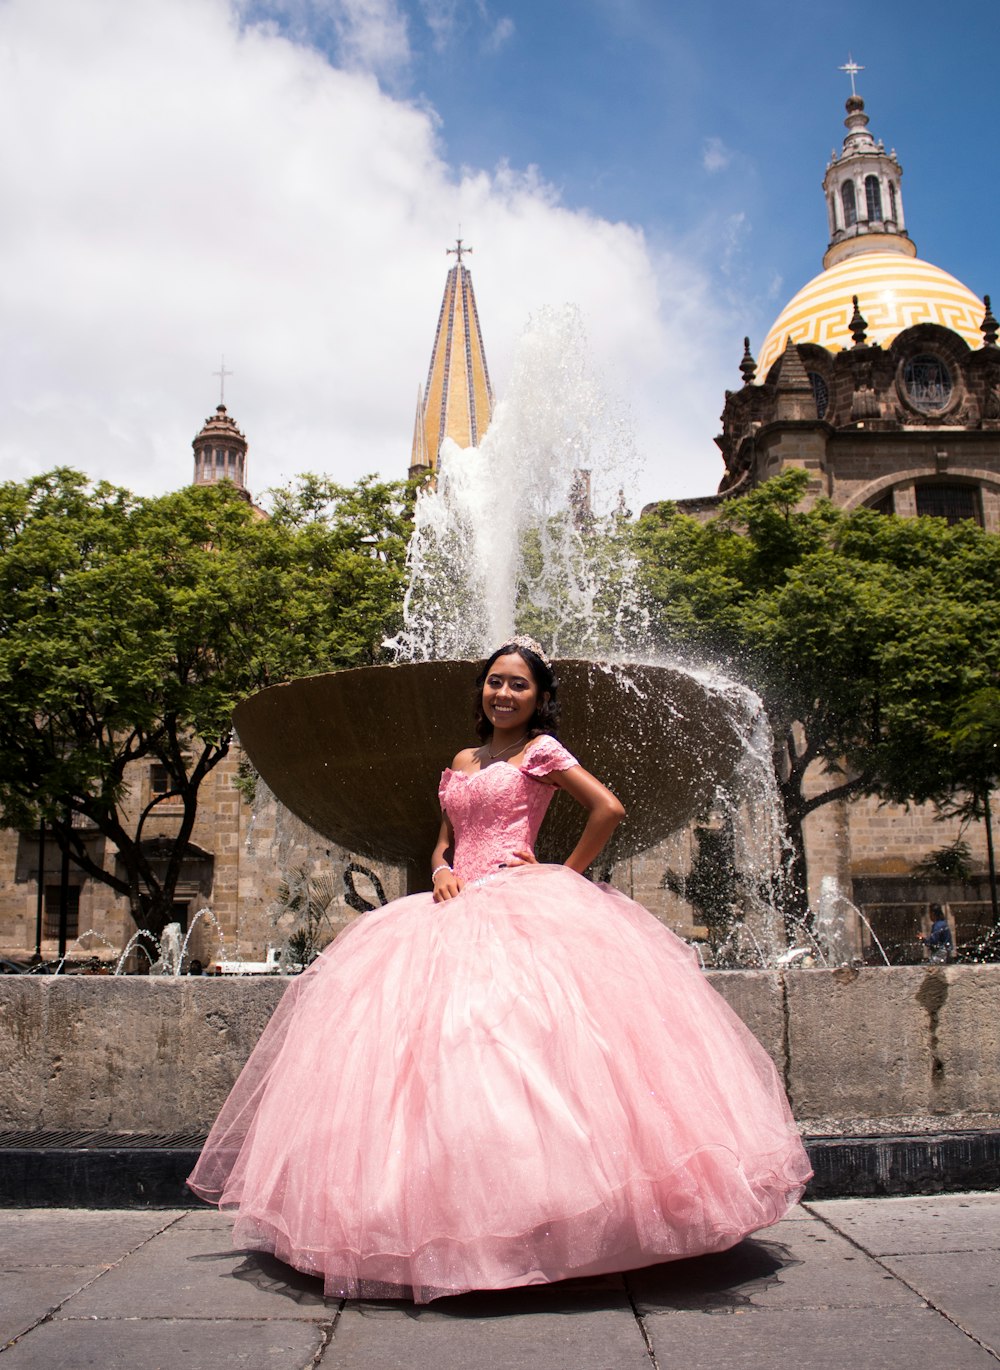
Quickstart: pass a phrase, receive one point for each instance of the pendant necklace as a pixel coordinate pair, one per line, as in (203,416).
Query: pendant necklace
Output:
(493,755)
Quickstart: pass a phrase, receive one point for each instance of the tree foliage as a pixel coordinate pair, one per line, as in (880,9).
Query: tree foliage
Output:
(869,637)
(129,628)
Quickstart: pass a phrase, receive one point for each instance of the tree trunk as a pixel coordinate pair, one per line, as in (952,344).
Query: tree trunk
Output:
(793,880)
(988,820)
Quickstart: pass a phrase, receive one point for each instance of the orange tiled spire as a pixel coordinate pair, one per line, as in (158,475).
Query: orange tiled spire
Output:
(457,402)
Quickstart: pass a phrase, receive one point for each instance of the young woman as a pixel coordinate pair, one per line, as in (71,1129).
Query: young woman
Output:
(518,1078)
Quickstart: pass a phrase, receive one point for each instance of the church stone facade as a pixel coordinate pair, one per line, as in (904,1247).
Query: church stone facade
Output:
(881,380)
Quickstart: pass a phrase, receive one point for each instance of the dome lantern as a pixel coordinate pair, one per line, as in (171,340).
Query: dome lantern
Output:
(864,200)
(220,451)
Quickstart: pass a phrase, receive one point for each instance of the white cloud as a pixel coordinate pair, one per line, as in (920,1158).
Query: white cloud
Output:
(368,35)
(715,156)
(440,17)
(373,34)
(500,34)
(179,186)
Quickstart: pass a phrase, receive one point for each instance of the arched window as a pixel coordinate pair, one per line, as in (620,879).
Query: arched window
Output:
(873,196)
(951,502)
(893,213)
(850,207)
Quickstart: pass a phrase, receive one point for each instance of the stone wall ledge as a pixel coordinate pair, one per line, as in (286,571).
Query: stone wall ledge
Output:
(137,1054)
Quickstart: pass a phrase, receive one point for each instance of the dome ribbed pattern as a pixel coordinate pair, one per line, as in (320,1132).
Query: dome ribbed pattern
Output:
(894,293)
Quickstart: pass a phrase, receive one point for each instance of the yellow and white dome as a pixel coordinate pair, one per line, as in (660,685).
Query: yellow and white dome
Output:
(894,292)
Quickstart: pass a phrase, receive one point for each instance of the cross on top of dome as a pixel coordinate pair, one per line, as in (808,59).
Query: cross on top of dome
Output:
(851,68)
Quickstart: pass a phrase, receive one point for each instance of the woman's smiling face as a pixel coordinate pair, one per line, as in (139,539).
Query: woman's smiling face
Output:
(510,693)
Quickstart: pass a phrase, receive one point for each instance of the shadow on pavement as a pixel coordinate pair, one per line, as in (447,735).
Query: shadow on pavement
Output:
(722,1282)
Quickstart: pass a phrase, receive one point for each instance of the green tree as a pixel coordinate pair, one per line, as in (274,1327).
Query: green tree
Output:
(973,740)
(130,627)
(866,635)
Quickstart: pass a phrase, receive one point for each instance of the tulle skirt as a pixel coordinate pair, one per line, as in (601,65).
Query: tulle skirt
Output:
(530,1082)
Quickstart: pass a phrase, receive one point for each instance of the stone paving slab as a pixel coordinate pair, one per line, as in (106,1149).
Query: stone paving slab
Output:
(579,1338)
(48,1255)
(168,1344)
(196,1273)
(796,1265)
(28,1296)
(814,1339)
(898,1284)
(941,1222)
(37,1237)
(966,1283)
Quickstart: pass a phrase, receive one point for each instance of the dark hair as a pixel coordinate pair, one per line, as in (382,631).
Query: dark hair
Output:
(545,719)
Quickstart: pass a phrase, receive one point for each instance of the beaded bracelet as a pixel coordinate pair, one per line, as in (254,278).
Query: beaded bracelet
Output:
(437,870)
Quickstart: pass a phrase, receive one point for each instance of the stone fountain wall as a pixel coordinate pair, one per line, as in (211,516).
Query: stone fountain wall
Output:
(898,1048)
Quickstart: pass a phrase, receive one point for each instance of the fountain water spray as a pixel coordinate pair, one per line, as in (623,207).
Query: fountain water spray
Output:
(523,533)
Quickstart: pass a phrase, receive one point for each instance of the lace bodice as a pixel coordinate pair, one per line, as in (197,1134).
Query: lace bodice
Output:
(498,810)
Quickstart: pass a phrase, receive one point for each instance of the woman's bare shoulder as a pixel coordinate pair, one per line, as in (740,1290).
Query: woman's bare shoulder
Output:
(464,759)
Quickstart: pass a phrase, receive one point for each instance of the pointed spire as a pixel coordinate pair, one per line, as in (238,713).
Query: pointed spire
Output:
(989,326)
(458,399)
(418,457)
(795,398)
(748,367)
(858,325)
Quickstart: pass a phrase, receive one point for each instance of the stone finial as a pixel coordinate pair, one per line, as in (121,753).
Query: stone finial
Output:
(989,326)
(748,367)
(858,325)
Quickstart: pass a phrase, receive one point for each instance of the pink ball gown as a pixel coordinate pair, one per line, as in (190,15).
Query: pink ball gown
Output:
(528,1082)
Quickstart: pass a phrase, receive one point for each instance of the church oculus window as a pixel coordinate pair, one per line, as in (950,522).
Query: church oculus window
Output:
(951,502)
(873,198)
(821,393)
(850,205)
(927,383)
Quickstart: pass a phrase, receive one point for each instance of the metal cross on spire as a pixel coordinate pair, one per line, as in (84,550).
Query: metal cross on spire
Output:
(851,67)
(458,250)
(222,373)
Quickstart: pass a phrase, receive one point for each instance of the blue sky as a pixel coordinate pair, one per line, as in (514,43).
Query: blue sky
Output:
(677,117)
(277,180)
(619,104)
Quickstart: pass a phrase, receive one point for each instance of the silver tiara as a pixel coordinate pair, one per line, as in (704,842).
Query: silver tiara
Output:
(530,644)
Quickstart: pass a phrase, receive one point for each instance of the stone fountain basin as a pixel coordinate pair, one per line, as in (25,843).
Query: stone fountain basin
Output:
(357,754)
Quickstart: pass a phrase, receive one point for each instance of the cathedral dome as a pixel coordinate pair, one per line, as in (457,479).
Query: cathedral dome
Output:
(894,292)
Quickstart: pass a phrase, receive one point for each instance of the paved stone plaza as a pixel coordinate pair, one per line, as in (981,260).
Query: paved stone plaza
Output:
(856,1283)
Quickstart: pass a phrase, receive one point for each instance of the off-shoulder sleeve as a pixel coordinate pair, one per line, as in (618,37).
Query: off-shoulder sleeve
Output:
(547,754)
(443,784)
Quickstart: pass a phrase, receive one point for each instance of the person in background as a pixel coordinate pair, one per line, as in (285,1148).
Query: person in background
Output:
(939,941)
